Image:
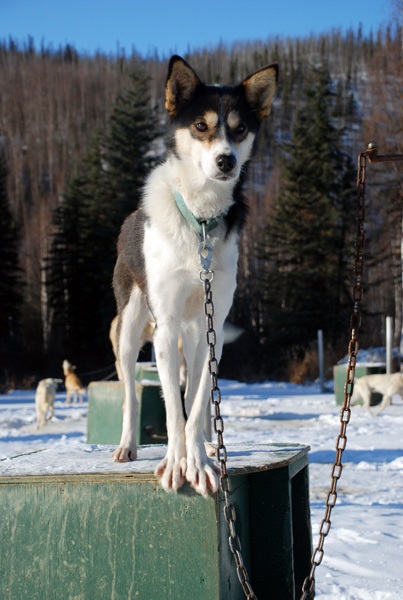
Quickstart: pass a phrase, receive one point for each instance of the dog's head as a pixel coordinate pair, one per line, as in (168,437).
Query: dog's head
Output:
(214,127)
(68,367)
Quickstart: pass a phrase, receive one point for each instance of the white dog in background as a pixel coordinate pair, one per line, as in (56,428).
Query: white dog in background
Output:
(386,384)
(74,387)
(44,400)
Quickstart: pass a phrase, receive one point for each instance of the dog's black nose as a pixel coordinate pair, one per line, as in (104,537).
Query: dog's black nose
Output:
(226,162)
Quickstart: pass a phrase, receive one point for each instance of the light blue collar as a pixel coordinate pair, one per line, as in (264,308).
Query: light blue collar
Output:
(192,220)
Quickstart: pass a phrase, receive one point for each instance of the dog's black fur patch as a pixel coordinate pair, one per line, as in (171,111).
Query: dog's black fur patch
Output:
(130,264)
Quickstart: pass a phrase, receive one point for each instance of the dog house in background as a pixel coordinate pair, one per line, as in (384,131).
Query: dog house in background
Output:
(105,404)
(361,369)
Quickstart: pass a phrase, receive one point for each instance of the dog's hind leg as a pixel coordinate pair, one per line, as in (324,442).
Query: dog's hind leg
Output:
(132,321)
(51,410)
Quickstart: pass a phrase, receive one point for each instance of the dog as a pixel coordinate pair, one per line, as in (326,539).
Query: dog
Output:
(211,138)
(45,399)
(74,387)
(386,384)
(147,336)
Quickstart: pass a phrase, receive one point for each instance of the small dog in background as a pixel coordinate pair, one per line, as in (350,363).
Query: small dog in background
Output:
(74,387)
(45,399)
(386,384)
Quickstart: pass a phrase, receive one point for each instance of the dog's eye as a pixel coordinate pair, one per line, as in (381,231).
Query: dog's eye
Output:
(201,126)
(239,129)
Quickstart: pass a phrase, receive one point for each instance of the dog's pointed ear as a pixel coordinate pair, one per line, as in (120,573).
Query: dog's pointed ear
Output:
(260,89)
(181,84)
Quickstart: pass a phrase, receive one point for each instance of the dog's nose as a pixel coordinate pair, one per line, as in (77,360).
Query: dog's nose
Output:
(226,162)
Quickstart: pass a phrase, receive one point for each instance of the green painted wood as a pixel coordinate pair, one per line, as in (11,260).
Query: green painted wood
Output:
(301,528)
(105,402)
(151,428)
(339,375)
(122,539)
(271,534)
(147,370)
(120,536)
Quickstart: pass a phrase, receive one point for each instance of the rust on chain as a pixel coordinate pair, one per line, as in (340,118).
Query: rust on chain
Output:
(308,588)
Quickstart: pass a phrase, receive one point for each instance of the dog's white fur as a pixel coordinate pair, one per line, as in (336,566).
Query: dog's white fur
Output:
(45,399)
(175,293)
(385,384)
(74,387)
(147,336)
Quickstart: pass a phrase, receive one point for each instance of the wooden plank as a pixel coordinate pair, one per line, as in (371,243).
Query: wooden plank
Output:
(103,540)
(105,402)
(118,535)
(271,534)
(301,528)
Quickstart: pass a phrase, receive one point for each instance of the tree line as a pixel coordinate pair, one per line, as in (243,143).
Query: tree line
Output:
(78,135)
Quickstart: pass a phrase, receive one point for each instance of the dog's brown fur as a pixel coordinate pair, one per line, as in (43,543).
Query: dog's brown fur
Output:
(74,387)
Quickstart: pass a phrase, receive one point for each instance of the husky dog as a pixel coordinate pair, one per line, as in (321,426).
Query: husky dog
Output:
(385,384)
(211,137)
(45,399)
(74,387)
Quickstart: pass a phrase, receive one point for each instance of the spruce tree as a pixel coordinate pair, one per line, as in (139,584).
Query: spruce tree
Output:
(10,282)
(98,197)
(81,262)
(128,147)
(305,245)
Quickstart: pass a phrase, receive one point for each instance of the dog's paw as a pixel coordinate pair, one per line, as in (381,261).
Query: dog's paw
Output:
(202,473)
(124,454)
(172,472)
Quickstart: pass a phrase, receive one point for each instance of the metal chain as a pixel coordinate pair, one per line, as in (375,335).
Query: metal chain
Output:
(206,277)
(355,323)
(345,414)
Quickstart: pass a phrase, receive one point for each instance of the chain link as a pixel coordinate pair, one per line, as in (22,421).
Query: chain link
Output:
(345,414)
(206,277)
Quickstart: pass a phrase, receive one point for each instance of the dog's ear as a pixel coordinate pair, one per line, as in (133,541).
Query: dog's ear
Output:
(181,84)
(260,89)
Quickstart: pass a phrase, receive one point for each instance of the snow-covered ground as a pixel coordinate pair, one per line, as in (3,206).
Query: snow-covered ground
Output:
(364,550)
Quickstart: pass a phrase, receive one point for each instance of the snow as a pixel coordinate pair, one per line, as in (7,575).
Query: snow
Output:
(364,548)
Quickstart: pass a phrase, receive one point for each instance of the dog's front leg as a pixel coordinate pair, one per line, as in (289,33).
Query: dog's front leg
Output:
(172,468)
(201,472)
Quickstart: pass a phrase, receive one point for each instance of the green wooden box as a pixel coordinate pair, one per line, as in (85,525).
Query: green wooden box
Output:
(105,402)
(339,374)
(116,534)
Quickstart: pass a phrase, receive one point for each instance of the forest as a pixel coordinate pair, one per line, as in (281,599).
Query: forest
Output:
(78,135)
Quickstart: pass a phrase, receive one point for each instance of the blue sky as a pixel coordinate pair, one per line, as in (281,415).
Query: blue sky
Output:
(177,26)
